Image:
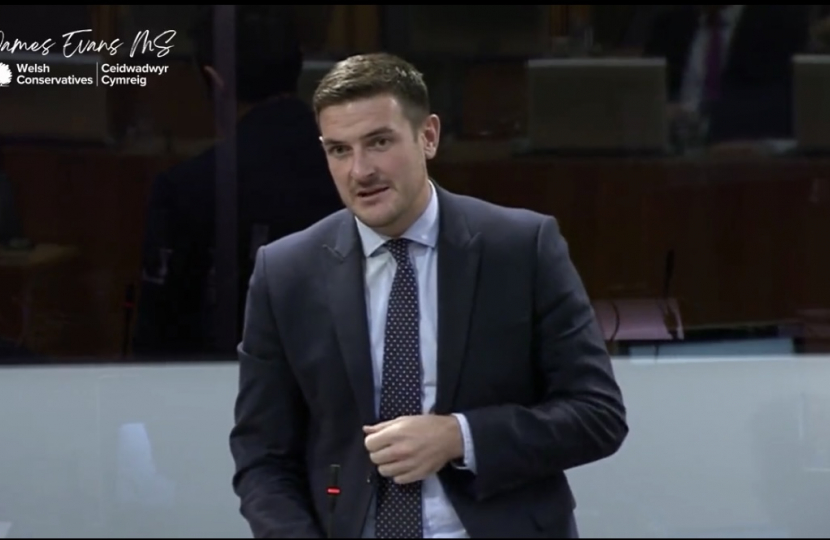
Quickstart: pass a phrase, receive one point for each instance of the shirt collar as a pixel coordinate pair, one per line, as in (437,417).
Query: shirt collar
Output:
(424,231)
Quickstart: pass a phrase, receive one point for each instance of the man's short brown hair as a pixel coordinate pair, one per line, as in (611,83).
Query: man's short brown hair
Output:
(366,76)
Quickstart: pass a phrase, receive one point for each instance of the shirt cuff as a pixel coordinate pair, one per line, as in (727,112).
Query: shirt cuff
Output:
(468,463)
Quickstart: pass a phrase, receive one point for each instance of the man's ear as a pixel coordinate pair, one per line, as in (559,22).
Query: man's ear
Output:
(214,78)
(432,135)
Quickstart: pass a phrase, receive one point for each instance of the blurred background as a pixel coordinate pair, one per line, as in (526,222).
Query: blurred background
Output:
(685,151)
(688,166)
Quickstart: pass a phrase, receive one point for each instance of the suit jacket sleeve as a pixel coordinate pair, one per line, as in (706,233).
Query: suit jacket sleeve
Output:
(581,416)
(268,440)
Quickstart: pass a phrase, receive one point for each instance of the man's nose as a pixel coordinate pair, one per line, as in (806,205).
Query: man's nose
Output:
(361,166)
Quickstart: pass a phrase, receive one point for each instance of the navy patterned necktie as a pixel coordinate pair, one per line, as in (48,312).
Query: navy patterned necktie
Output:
(399,506)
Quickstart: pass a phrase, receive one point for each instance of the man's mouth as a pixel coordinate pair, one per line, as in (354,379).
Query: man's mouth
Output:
(364,193)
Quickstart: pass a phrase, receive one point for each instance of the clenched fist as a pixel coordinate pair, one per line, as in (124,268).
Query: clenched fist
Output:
(410,448)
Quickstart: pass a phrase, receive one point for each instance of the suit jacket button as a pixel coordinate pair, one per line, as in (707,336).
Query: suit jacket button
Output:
(369,478)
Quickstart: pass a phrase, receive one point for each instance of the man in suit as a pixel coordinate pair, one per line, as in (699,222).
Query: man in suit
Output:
(283,186)
(440,349)
(732,63)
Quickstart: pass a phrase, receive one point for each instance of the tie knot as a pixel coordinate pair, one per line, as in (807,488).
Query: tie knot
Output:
(399,248)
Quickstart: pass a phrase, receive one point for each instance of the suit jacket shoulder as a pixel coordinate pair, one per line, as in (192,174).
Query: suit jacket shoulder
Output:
(298,253)
(295,258)
(498,224)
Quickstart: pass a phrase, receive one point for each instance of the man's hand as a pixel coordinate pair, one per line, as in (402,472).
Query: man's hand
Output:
(410,448)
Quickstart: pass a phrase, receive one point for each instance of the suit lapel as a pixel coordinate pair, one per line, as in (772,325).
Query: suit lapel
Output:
(347,299)
(458,263)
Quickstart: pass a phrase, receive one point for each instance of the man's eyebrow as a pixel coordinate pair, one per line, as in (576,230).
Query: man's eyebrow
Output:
(371,134)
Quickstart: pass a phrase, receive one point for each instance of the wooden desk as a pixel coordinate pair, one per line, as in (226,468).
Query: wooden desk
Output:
(28,269)
(748,235)
(39,256)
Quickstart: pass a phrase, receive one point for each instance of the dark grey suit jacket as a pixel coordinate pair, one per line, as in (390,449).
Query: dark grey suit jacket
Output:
(519,353)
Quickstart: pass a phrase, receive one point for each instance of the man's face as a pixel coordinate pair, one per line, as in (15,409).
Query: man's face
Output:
(378,160)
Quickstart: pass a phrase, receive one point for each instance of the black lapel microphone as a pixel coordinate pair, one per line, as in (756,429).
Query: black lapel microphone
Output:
(333,491)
